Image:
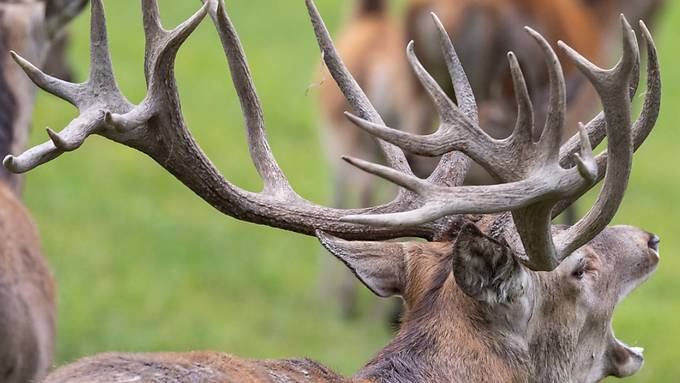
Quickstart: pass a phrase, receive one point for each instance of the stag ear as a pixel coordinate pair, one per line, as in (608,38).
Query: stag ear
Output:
(378,265)
(485,269)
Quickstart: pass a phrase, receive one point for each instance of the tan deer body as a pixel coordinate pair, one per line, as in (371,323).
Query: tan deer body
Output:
(27,296)
(496,293)
(27,288)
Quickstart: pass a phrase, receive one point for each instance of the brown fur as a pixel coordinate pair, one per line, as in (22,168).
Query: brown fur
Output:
(201,367)
(27,296)
(27,288)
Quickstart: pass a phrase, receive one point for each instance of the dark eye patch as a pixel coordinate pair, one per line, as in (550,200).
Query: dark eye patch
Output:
(580,270)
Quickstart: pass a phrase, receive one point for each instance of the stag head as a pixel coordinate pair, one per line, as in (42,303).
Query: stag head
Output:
(473,295)
(497,293)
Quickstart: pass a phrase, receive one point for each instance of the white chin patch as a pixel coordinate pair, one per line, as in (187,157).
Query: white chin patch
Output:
(637,351)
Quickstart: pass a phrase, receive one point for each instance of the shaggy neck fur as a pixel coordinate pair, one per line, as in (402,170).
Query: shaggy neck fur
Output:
(552,347)
(447,337)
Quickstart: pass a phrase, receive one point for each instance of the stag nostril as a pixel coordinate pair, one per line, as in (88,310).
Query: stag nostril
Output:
(654,242)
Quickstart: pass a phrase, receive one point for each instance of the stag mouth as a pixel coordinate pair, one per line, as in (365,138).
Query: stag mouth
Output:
(626,360)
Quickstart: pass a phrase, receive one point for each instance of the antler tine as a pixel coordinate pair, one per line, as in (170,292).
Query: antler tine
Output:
(461,85)
(523,134)
(643,125)
(453,167)
(356,98)
(448,111)
(652,105)
(551,137)
(66,91)
(275,182)
(31,158)
(151,15)
(596,128)
(101,68)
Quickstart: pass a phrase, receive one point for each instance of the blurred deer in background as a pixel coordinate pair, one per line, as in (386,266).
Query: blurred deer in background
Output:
(27,289)
(496,293)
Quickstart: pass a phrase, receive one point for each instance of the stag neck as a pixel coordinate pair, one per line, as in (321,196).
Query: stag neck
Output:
(449,337)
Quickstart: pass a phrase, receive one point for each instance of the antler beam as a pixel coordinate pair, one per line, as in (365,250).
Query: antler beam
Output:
(156,127)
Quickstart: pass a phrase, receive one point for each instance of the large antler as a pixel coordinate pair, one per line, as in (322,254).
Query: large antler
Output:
(157,128)
(536,175)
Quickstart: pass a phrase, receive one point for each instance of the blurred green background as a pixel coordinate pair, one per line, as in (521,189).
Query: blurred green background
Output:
(145,265)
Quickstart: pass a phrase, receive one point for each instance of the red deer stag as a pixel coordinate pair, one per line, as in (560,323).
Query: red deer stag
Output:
(27,290)
(497,293)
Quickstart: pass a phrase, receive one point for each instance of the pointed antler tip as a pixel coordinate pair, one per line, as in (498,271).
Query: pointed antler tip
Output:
(57,140)
(627,28)
(643,25)
(350,160)
(353,118)
(436,19)
(8,162)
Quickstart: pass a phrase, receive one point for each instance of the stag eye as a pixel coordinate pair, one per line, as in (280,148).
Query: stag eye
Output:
(580,271)
(579,274)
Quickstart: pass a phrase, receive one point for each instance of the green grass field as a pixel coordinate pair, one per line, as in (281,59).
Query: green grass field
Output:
(145,265)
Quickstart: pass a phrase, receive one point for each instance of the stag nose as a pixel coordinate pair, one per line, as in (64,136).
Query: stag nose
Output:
(654,242)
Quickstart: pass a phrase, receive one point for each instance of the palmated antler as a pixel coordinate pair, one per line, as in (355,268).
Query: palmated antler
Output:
(536,176)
